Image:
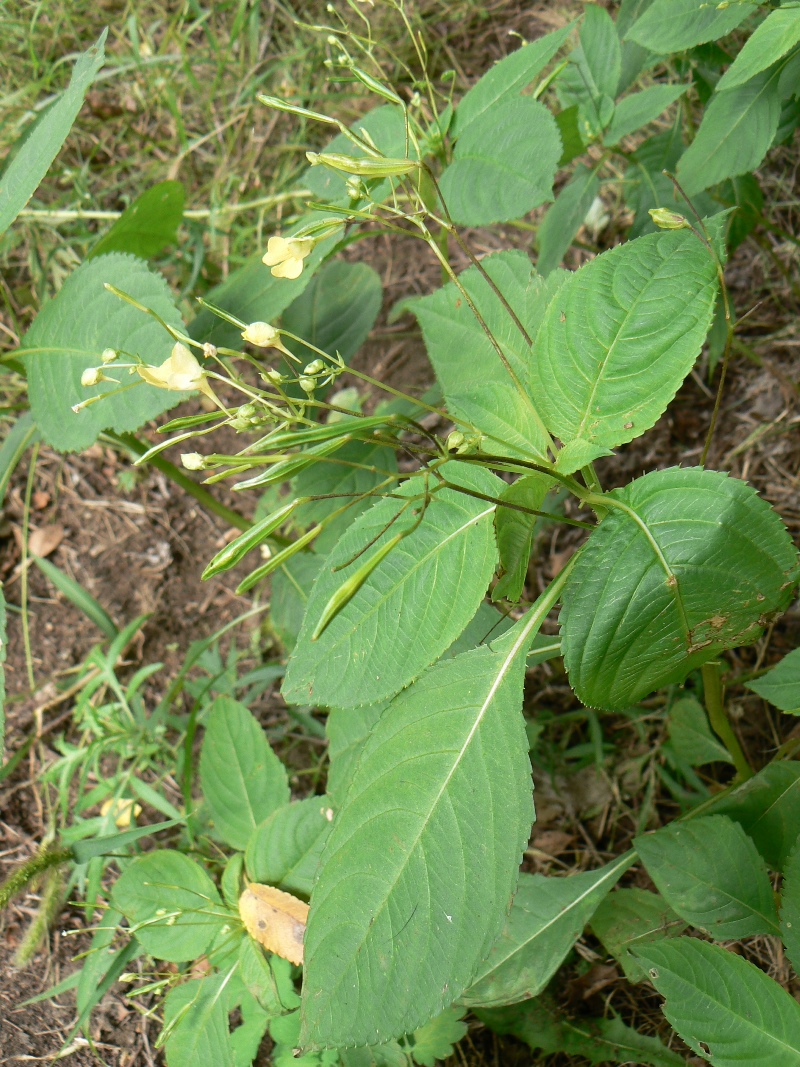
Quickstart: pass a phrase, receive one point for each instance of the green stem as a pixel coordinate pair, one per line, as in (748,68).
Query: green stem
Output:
(24,875)
(720,724)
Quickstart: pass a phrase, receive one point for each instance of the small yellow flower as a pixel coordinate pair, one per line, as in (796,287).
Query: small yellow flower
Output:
(124,811)
(180,372)
(262,335)
(286,256)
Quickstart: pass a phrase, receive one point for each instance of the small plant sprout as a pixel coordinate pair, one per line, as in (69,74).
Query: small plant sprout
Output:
(285,256)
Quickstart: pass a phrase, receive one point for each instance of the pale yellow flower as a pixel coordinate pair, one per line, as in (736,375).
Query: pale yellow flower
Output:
(262,335)
(124,811)
(285,257)
(180,372)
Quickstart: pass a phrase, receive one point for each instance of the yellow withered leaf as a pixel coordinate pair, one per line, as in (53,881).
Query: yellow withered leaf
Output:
(275,919)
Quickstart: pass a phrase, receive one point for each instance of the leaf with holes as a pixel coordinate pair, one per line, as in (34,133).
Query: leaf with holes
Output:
(412,606)
(546,919)
(693,562)
(69,335)
(400,919)
(620,336)
(723,1006)
(710,872)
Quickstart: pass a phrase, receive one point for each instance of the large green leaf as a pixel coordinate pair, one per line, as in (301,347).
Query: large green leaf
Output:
(637,110)
(601,50)
(779,32)
(781,685)
(347,730)
(196,1020)
(424,857)
(412,606)
(291,588)
(252,294)
(790,907)
(767,806)
(508,78)
(504,164)
(243,780)
(630,917)
(675,25)
(546,919)
(70,334)
(709,871)
(149,224)
(434,1041)
(41,144)
(170,903)
(476,385)
(545,1027)
(724,1007)
(621,337)
(284,849)
(696,562)
(691,735)
(336,311)
(738,128)
(565,217)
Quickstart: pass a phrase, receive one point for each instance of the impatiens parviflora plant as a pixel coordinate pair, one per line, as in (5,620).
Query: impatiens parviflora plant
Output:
(416,901)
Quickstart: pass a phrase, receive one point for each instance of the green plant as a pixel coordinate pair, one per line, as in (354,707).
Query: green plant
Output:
(380,572)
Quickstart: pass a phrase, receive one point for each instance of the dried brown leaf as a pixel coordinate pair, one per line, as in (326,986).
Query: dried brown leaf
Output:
(275,919)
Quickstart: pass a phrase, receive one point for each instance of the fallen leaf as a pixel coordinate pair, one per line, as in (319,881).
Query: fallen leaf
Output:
(275,919)
(45,540)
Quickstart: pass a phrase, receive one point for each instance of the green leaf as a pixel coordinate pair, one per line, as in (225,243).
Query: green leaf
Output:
(697,563)
(412,606)
(637,110)
(601,51)
(231,881)
(99,959)
(508,78)
(724,1007)
(767,807)
(41,145)
(77,595)
(196,1020)
(790,908)
(69,335)
(571,141)
(709,871)
(252,294)
(691,735)
(620,338)
(267,978)
(485,626)
(503,165)
(476,385)
(434,1041)
(246,1038)
(565,217)
(745,195)
(781,685)
(388,1055)
(171,905)
(777,34)
(645,185)
(630,917)
(544,1026)
(514,531)
(285,848)
(243,780)
(675,25)
(400,919)
(546,919)
(347,730)
(336,311)
(738,128)
(113,844)
(17,441)
(148,225)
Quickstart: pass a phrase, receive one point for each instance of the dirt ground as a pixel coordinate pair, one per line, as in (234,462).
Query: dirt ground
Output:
(139,549)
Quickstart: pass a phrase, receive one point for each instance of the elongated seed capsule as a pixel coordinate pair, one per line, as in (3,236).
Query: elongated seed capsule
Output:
(277,560)
(281,472)
(237,549)
(363,167)
(349,588)
(376,86)
(295,109)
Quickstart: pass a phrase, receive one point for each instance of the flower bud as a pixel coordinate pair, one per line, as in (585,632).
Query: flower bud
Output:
(193,461)
(209,351)
(668,220)
(261,334)
(92,376)
(109,355)
(454,441)
(308,385)
(273,375)
(314,367)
